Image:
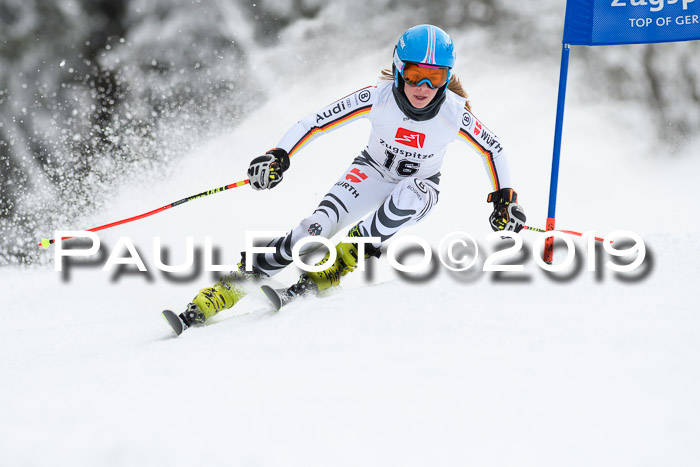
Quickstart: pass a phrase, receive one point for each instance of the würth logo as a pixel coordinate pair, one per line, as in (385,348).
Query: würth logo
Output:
(410,138)
(356,176)
(477,128)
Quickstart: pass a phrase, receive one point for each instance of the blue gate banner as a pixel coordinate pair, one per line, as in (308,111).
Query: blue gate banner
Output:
(607,22)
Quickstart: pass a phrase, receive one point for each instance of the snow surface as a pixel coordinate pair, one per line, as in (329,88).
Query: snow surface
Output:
(475,368)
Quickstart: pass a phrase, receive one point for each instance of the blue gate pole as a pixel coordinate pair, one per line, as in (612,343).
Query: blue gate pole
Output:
(554,181)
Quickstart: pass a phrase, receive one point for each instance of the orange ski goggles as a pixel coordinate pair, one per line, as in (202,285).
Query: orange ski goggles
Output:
(415,74)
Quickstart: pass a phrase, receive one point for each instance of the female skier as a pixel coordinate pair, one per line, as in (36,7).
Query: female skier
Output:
(416,110)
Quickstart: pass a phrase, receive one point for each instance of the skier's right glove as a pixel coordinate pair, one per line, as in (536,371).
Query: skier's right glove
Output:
(507,214)
(266,171)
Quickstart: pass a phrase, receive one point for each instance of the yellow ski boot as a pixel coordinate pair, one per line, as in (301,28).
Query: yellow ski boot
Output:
(313,282)
(345,262)
(223,295)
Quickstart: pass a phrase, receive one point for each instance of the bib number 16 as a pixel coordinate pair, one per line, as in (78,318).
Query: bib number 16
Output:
(404,168)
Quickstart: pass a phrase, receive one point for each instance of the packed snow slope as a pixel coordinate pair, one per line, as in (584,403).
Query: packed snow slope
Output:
(576,368)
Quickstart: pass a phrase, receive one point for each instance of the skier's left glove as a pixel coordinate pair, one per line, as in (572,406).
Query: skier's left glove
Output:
(507,214)
(266,171)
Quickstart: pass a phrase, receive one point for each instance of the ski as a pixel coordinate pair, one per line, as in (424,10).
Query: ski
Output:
(174,321)
(281,297)
(278,297)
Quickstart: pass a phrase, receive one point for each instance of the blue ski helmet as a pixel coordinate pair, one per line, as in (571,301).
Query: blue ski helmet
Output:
(425,44)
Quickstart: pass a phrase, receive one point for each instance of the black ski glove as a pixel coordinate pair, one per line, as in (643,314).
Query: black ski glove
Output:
(266,171)
(507,214)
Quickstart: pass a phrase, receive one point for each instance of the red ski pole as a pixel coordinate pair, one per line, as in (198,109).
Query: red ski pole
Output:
(45,242)
(570,232)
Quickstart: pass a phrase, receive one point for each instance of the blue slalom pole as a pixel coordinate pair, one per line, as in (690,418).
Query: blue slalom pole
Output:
(554,181)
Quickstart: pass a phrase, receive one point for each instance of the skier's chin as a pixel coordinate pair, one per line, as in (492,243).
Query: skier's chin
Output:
(419,102)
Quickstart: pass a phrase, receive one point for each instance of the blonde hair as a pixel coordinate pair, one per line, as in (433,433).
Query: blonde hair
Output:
(454,86)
